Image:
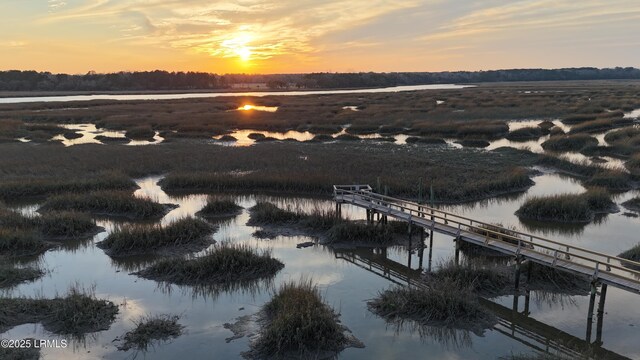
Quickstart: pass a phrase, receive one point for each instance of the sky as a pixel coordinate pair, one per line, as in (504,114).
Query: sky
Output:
(299,36)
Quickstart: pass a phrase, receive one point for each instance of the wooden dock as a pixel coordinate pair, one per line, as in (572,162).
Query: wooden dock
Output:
(512,322)
(599,268)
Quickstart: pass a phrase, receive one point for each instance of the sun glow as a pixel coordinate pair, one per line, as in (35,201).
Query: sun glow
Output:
(244,53)
(238,46)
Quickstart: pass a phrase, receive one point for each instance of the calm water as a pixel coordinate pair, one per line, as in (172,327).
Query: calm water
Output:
(347,278)
(15,100)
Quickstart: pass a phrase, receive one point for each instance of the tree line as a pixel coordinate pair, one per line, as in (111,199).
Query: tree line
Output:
(15,80)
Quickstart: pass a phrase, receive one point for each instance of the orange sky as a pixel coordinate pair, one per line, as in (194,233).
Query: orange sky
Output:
(291,36)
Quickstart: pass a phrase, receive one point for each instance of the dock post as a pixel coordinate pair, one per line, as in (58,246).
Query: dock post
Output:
(592,300)
(527,297)
(517,284)
(421,249)
(457,241)
(600,318)
(338,210)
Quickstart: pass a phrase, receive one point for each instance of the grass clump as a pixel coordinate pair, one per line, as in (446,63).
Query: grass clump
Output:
(569,142)
(150,330)
(599,125)
(11,276)
(480,279)
(25,353)
(527,133)
(113,203)
(226,263)
(297,322)
(613,180)
(219,208)
(567,207)
(632,204)
(228,138)
(444,304)
(21,242)
(142,238)
(425,140)
(622,135)
(632,254)
(140,133)
(268,213)
(547,278)
(53,225)
(66,224)
(567,167)
(478,143)
(76,313)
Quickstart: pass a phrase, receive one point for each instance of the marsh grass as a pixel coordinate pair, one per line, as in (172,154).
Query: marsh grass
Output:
(140,133)
(225,263)
(483,279)
(150,330)
(475,143)
(75,313)
(21,242)
(112,140)
(567,207)
(265,213)
(11,276)
(599,125)
(297,322)
(632,204)
(425,140)
(622,135)
(580,169)
(446,304)
(22,235)
(527,133)
(633,165)
(549,279)
(612,180)
(457,175)
(269,213)
(108,203)
(228,138)
(52,225)
(66,224)
(566,143)
(632,254)
(219,208)
(31,187)
(136,239)
(24,353)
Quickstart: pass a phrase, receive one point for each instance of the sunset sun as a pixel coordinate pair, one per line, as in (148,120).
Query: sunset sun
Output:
(244,53)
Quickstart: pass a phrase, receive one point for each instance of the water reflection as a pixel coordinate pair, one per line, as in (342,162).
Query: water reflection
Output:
(16,100)
(91,134)
(547,321)
(249,107)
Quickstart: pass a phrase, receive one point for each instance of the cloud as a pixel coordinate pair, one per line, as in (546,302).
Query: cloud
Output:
(267,28)
(313,35)
(56,4)
(13,44)
(521,18)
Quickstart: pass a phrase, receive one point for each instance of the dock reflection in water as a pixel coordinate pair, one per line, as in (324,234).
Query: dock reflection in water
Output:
(514,322)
